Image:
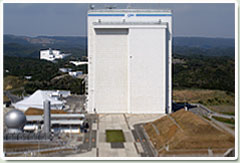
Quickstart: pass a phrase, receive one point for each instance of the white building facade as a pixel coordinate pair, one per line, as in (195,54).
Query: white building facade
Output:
(130,53)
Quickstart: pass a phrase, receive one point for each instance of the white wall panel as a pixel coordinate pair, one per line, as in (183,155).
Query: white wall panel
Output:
(111,73)
(147,50)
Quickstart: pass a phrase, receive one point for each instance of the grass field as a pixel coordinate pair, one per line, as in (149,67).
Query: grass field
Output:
(114,136)
(224,109)
(13,82)
(225,120)
(216,100)
(206,97)
(6,99)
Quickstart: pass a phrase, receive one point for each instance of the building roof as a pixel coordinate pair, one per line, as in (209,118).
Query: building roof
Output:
(36,111)
(56,117)
(67,115)
(67,122)
(130,10)
(130,23)
(34,118)
(36,101)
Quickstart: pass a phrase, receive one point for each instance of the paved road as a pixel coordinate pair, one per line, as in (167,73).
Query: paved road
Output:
(89,140)
(139,136)
(205,111)
(223,115)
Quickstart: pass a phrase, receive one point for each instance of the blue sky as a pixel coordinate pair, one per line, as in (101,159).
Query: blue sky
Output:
(204,20)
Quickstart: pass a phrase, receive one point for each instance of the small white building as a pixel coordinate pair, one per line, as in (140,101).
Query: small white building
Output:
(64,70)
(28,77)
(51,55)
(75,73)
(130,57)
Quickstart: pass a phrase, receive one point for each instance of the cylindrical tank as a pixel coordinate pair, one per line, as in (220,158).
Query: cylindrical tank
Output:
(47,116)
(15,121)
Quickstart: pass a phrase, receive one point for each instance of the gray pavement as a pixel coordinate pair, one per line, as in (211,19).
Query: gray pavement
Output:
(139,136)
(12,97)
(136,143)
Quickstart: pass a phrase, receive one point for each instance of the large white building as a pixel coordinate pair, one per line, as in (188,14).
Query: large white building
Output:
(51,55)
(130,54)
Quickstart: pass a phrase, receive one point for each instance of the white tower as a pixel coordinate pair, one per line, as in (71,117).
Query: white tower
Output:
(130,54)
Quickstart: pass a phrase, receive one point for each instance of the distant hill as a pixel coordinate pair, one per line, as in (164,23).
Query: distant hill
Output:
(193,51)
(204,42)
(73,41)
(25,46)
(47,41)
(203,46)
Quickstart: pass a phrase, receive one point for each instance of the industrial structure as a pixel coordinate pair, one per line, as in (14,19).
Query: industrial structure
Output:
(60,123)
(38,97)
(52,55)
(20,127)
(129,52)
(15,121)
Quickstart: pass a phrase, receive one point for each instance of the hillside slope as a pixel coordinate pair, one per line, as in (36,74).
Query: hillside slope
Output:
(186,133)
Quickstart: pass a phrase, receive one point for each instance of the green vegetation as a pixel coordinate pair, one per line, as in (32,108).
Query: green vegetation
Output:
(44,75)
(114,136)
(13,82)
(204,72)
(224,120)
(206,117)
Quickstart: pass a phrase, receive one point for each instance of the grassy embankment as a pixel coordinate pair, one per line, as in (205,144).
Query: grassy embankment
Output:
(14,84)
(216,100)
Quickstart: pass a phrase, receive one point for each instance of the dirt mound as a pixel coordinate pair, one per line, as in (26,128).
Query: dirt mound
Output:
(35,111)
(185,131)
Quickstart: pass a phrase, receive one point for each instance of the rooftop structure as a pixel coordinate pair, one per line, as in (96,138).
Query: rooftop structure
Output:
(77,63)
(129,55)
(37,98)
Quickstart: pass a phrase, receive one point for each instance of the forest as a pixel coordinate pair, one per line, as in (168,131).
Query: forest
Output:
(43,74)
(205,72)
